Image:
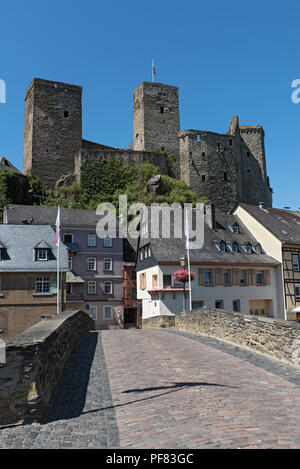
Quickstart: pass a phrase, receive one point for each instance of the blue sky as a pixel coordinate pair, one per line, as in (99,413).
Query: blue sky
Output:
(227,58)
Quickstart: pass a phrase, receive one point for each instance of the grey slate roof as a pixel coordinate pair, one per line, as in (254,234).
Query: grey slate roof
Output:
(171,250)
(20,242)
(43,215)
(284,224)
(7,166)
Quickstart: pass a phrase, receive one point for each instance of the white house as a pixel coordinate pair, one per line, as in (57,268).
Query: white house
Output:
(232,272)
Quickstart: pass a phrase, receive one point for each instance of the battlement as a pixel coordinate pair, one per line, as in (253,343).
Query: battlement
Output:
(37,82)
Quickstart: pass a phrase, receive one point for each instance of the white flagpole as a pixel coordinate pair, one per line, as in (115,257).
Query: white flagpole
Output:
(58,244)
(188,256)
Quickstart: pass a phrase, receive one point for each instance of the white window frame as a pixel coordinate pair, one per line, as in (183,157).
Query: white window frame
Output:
(107,242)
(91,261)
(296,265)
(262,278)
(92,240)
(39,251)
(42,285)
(212,278)
(110,264)
(111,312)
(92,284)
(244,283)
(108,282)
(239,305)
(93,312)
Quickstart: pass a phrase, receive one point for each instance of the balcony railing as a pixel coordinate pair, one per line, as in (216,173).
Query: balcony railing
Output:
(74,296)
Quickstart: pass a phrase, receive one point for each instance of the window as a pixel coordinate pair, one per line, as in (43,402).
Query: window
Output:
(107,312)
(107,287)
(42,255)
(141,254)
(235,247)
(297,291)
(222,246)
(92,240)
(147,251)
(144,228)
(227,277)
(66,113)
(154,282)
(93,312)
(133,274)
(42,285)
(162,110)
(218,146)
(91,263)
(198,138)
(243,277)
(70,263)
(230,142)
(133,293)
(236,306)
(107,242)
(248,248)
(107,264)
(225,177)
(142,281)
(296,266)
(167,280)
(68,238)
(208,277)
(91,288)
(203,177)
(197,304)
(234,228)
(219,304)
(259,278)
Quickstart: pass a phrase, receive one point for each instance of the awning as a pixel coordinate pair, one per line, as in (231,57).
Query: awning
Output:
(72,278)
(296,310)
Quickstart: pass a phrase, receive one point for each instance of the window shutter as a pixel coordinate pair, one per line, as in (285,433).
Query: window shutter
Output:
(235,277)
(251,274)
(267,277)
(218,276)
(201,276)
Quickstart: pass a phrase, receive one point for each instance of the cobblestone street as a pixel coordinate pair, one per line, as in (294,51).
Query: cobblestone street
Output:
(165,389)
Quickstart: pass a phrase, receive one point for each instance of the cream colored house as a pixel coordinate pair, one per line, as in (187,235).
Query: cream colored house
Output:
(278,232)
(232,272)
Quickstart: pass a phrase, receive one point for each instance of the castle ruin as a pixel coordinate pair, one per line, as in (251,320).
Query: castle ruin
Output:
(226,168)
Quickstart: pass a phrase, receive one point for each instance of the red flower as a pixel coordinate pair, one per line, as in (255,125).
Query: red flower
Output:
(182,275)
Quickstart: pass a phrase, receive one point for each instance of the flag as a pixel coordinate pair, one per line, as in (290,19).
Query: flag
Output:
(57,224)
(153,68)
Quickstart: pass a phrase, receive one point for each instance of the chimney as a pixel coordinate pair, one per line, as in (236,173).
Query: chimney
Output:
(210,218)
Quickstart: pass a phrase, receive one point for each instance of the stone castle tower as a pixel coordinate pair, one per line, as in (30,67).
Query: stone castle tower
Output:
(226,168)
(52,129)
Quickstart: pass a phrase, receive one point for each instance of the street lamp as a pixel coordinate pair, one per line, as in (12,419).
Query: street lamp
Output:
(183,264)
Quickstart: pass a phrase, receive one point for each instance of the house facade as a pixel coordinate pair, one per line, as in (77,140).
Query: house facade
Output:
(94,282)
(278,231)
(232,272)
(28,276)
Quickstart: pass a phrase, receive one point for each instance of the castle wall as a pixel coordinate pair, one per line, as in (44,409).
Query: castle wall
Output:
(52,129)
(127,156)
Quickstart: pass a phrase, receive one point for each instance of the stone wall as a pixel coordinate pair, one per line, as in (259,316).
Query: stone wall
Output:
(35,361)
(266,335)
(159,321)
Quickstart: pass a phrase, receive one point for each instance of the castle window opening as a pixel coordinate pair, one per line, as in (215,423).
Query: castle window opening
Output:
(198,138)
(66,113)
(203,154)
(191,154)
(136,136)
(162,109)
(230,142)
(248,153)
(225,177)
(218,146)
(203,177)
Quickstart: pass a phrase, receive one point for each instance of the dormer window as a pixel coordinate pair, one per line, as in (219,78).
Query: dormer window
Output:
(234,228)
(42,251)
(257,248)
(248,248)
(42,254)
(235,247)
(221,246)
